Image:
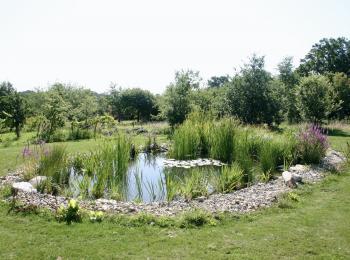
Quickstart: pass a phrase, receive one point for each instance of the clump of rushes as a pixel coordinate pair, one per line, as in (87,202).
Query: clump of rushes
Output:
(228,179)
(312,144)
(243,156)
(222,140)
(268,158)
(186,141)
(51,162)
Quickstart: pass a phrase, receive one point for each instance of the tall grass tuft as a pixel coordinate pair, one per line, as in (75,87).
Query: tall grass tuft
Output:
(222,140)
(187,141)
(229,179)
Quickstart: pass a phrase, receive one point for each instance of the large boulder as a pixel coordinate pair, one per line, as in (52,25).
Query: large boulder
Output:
(291,179)
(36,181)
(23,186)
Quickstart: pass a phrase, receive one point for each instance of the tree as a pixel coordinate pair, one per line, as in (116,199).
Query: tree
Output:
(13,108)
(17,114)
(341,95)
(177,103)
(6,90)
(289,79)
(53,115)
(215,82)
(328,55)
(313,98)
(251,94)
(137,103)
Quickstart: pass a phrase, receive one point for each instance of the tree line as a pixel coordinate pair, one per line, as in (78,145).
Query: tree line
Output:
(318,89)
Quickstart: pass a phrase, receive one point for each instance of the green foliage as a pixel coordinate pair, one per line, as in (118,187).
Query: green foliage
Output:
(108,166)
(177,96)
(313,98)
(69,214)
(340,94)
(228,179)
(96,216)
(195,184)
(13,108)
(221,140)
(196,218)
(251,96)
(54,115)
(187,141)
(328,55)
(53,164)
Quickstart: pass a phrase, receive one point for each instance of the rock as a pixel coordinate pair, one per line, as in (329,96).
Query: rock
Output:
(287,176)
(24,186)
(36,181)
(200,199)
(298,168)
(291,179)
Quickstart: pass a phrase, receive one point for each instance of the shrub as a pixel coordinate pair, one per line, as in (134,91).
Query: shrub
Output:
(96,216)
(69,214)
(196,218)
(312,144)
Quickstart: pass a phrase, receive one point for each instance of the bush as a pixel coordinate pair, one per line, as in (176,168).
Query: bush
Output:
(196,218)
(69,214)
(96,216)
(312,144)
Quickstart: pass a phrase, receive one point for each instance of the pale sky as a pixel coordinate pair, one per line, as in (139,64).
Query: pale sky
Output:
(142,43)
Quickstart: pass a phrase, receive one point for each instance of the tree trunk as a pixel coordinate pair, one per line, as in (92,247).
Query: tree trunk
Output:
(18,131)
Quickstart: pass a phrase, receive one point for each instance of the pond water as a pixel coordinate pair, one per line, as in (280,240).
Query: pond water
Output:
(146,177)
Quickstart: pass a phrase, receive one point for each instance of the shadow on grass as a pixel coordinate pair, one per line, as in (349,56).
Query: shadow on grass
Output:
(338,132)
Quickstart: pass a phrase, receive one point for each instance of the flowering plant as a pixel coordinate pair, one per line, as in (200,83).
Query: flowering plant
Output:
(312,144)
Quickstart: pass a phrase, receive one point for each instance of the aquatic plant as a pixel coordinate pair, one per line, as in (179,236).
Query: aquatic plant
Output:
(195,184)
(222,140)
(228,179)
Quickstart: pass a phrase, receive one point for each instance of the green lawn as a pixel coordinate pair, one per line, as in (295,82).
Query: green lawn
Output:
(316,227)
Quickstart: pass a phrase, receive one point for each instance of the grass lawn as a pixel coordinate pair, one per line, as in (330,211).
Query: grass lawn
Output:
(316,227)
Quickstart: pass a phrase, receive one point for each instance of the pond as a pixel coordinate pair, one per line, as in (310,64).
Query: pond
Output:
(149,176)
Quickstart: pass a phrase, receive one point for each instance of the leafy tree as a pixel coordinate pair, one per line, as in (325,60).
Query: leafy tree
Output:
(177,103)
(137,103)
(215,82)
(115,102)
(251,97)
(53,116)
(6,90)
(290,79)
(13,108)
(341,95)
(17,114)
(313,98)
(328,55)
